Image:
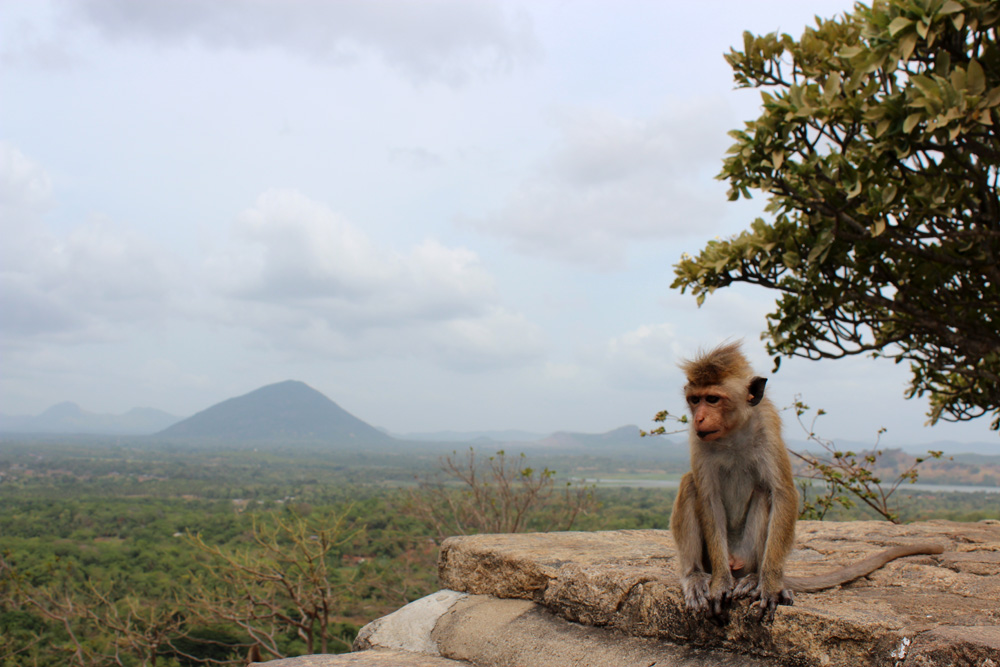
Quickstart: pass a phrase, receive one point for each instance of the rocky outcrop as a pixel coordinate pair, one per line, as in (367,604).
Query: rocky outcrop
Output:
(378,657)
(611,598)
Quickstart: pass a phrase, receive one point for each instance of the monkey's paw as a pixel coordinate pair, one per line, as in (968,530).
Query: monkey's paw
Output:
(746,586)
(720,597)
(695,589)
(767,603)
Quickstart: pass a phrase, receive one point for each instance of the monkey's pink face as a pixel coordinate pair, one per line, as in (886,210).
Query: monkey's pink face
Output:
(710,412)
(718,409)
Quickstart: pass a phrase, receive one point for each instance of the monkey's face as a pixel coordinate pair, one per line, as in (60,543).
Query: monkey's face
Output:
(711,412)
(718,410)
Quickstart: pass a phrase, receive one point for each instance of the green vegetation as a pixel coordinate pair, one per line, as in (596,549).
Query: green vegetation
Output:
(878,149)
(500,495)
(134,555)
(100,547)
(850,477)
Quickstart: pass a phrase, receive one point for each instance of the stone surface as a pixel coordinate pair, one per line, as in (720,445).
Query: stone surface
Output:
(373,658)
(922,610)
(485,630)
(409,628)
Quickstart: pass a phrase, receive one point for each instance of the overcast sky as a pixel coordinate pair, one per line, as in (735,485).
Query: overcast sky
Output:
(444,214)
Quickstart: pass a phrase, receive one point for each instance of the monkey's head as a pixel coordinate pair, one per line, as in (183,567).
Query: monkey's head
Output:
(721,392)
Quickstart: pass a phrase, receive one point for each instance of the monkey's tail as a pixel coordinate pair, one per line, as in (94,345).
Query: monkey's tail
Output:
(862,568)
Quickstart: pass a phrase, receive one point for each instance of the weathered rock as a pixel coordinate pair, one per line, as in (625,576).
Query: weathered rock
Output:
(372,658)
(922,610)
(485,630)
(596,599)
(409,628)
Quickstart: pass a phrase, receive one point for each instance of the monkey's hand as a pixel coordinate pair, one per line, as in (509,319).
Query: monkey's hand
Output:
(695,589)
(746,586)
(720,596)
(768,601)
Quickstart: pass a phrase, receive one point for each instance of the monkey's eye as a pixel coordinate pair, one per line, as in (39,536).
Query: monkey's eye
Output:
(712,400)
(693,400)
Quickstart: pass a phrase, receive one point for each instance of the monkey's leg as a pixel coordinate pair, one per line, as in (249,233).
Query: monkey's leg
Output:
(711,515)
(749,549)
(771,590)
(690,547)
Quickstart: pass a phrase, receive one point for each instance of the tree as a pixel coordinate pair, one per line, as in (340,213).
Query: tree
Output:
(289,581)
(878,149)
(847,475)
(98,625)
(498,496)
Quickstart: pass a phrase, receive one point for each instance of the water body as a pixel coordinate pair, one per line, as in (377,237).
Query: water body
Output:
(674,483)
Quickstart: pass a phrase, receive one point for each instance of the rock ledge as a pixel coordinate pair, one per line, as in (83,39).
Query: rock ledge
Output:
(611,598)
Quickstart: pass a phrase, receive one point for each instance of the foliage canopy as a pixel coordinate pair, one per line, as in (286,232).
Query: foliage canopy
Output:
(878,149)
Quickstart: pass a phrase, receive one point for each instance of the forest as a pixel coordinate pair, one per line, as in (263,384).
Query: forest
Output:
(134,554)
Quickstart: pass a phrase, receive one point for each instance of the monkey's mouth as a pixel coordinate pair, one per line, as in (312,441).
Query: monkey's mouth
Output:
(704,434)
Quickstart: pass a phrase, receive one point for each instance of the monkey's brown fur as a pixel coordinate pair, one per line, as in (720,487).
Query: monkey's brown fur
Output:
(725,361)
(734,517)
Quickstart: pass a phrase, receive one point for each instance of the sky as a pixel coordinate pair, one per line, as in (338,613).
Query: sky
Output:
(444,214)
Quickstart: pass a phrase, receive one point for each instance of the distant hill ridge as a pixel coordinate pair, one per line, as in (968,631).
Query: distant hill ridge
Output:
(70,418)
(286,411)
(292,411)
(621,435)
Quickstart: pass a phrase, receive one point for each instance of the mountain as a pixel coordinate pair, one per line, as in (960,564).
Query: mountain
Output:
(621,443)
(69,417)
(288,411)
(625,435)
(474,436)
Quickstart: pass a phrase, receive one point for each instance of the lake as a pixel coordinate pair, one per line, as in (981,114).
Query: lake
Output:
(674,483)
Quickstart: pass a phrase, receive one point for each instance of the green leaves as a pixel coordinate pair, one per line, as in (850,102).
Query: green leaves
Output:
(848,475)
(877,148)
(975,79)
(899,24)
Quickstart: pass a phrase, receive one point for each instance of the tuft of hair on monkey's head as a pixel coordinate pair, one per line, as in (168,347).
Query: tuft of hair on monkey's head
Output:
(717,365)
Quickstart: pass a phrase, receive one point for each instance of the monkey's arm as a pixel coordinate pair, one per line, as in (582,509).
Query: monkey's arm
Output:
(685,525)
(712,518)
(860,569)
(780,536)
(771,590)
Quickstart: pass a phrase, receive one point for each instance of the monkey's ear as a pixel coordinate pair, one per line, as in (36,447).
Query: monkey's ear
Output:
(756,390)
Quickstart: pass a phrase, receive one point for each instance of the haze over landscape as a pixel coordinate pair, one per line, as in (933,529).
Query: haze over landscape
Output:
(443,216)
(291,414)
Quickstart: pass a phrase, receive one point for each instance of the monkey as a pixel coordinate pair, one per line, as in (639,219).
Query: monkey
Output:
(734,517)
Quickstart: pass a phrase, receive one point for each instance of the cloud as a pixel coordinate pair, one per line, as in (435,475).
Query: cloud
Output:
(436,40)
(25,188)
(84,285)
(295,251)
(645,357)
(79,285)
(308,278)
(612,180)
(497,338)
(28,310)
(298,277)
(417,159)
(30,41)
